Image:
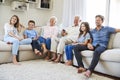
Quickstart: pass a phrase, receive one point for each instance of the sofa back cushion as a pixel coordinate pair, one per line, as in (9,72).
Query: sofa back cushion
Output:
(38,29)
(2,32)
(116,42)
(110,43)
(1,37)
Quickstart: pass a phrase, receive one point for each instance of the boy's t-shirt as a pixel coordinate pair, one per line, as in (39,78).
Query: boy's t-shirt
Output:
(30,33)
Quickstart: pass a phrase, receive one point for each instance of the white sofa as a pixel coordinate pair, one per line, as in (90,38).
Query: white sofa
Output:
(25,51)
(109,60)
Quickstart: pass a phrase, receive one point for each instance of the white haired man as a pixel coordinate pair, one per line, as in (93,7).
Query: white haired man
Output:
(69,34)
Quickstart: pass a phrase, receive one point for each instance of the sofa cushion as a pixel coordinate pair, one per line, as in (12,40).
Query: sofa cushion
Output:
(5,47)
(116,42)
(25,47)
(87,53)
(110,43)
(111,55)
(21,32)
(39,30)
(1,37)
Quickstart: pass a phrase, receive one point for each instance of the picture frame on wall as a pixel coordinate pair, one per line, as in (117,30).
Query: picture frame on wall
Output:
(45,4)
(2,1)
(19,6)
(32,1)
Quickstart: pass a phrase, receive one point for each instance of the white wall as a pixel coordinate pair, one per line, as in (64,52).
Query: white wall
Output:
(58,10)
(40,16)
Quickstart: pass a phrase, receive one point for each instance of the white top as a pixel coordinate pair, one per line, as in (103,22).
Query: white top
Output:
(72,31)
(49,31)
(9,28)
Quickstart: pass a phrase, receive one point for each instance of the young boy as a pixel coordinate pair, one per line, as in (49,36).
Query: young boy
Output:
(30,33)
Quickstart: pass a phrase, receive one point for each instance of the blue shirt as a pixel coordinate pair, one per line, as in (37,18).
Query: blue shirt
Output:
(30,33)
(101,37)
(83,38)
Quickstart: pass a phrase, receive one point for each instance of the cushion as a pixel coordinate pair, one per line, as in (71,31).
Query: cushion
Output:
(39,30)
(5,47)
(21,32)
(1,37)
(25,47)
(87,53)
(111,55)
(110,43)
(116,42)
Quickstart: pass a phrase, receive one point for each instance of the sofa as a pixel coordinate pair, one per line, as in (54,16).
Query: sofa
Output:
(109,60)
(25,51)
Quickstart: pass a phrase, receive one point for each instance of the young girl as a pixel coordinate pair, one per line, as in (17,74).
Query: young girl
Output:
(30,33)
(11,36)
(83,39)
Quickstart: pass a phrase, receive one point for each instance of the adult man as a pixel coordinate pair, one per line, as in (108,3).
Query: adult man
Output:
(100,36)
(69,34)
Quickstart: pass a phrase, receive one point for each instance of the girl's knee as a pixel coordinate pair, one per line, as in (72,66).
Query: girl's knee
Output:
(16,41)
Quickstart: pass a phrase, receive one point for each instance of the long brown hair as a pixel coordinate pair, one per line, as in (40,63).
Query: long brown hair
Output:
(16,25)
(87,28)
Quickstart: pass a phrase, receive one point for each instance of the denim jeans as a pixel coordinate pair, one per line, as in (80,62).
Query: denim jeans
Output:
(69,51)
(15,43)
(96,55)
(47,42)
(36,45)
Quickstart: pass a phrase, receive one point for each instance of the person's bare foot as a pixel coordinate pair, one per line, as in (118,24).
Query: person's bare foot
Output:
(81,69)
(39,54)
(36,51)
(14,60)
(16,63)
(45,51)
(54,57)
(69,63)
(57,60)
(88,73)
(47,58)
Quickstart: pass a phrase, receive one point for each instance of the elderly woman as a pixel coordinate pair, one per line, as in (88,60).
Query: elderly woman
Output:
(49,31)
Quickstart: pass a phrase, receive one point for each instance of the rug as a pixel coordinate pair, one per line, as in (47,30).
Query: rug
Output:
(43,70)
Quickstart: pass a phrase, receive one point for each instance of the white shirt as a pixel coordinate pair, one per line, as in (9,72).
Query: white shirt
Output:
(72,31)
(49,31)
(9,28)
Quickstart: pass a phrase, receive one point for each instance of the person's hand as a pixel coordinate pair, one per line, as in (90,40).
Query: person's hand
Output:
(35,38)
(90,46)
(63,33)
(20,39)
(74,43)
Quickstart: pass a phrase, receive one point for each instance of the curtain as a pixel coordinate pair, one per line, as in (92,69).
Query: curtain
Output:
(72,8)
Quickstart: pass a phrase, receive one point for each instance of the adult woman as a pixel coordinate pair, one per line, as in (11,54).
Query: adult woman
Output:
(11,36)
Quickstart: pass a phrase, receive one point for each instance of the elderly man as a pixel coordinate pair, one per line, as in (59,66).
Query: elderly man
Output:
(69,34)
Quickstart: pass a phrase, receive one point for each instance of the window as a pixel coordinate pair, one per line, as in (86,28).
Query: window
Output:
(114,18)
(93,8)
(45,4)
